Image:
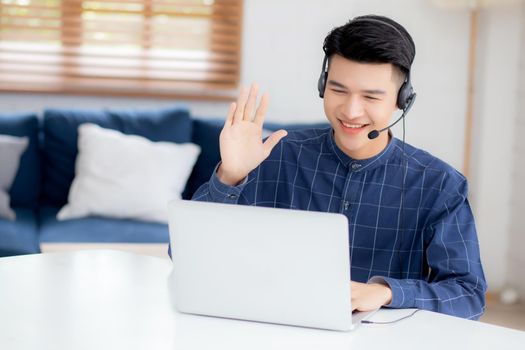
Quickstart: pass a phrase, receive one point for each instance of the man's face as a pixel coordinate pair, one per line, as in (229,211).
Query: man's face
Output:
(359,98)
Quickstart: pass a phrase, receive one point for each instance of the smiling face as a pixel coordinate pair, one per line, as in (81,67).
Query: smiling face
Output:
(359,98)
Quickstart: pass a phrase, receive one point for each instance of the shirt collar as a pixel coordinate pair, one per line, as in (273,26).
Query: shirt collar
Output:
(357,165)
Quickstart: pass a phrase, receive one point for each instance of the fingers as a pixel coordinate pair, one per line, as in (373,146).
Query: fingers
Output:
(273,140)
(261,110)
(357,304)
(354,287)
(250,105)
(369,296)
(363,307)
(231,112)
(241,103)
(245,106)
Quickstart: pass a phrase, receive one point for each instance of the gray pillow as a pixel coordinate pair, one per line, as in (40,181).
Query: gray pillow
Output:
(11,149)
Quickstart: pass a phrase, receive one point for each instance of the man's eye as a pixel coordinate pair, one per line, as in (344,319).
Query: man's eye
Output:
(371,98)
(338,91)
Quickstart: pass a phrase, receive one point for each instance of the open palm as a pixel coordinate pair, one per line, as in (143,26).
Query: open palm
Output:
(241,145)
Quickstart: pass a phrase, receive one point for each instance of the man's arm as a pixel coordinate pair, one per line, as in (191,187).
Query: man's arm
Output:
(456,283)
(216,191)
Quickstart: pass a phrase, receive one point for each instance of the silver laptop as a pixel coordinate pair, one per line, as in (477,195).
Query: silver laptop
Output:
(261,264)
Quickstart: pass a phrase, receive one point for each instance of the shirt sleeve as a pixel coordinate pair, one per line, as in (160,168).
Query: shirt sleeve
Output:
(456,283)
(216,191)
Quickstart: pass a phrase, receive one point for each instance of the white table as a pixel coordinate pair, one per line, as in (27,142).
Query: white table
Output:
(114,300)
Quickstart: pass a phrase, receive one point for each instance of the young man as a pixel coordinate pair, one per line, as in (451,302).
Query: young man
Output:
(413,241)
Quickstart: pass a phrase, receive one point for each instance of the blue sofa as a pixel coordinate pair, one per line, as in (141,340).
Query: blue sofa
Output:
(47,169)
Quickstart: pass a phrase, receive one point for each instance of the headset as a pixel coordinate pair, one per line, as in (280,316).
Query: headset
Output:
(406,95)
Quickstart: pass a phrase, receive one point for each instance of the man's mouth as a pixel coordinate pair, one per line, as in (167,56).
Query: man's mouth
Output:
(353,126)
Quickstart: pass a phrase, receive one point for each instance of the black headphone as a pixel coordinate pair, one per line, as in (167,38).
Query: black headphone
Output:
(406,94)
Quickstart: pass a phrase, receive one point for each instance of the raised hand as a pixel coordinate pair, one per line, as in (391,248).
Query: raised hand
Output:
(242,149)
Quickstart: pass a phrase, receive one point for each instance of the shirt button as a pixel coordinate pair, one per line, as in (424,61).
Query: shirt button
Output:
(355,166)
(232,196)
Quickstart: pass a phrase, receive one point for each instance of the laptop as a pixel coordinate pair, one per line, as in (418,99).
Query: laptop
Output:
(271,265)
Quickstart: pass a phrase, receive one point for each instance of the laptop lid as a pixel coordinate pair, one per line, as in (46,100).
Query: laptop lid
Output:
(261,264)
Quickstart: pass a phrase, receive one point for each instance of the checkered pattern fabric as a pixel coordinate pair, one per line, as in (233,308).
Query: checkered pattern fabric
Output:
(410,222)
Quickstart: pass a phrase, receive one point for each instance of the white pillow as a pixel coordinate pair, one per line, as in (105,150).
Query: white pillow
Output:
(126,176)
(11,149)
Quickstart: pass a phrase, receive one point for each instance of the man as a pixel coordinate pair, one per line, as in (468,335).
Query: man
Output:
(413,240)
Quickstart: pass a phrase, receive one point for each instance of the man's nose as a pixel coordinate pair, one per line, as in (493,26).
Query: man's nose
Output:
(354,107)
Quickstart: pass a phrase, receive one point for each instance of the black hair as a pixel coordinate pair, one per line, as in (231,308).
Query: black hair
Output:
(372,39)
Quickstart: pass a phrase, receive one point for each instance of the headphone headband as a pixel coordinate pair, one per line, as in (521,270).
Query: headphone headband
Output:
(380,21)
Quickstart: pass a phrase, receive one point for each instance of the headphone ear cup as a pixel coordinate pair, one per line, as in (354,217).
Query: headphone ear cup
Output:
(404,95)
(321,84)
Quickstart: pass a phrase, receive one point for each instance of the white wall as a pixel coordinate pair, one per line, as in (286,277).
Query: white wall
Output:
(283,52)
(501,37)
(282,43)
(516,272)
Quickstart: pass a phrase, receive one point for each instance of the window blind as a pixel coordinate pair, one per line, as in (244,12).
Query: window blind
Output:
(123,47)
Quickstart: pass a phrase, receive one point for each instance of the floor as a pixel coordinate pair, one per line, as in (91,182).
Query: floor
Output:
(512,316)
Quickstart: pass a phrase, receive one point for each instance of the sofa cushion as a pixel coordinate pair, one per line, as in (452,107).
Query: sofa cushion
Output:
(126,176)
(98,230)
(206,134)
(60,139)
(19,236)
(24,191)
(11,149)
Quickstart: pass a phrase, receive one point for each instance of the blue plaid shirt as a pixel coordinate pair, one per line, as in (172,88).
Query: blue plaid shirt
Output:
(425,249)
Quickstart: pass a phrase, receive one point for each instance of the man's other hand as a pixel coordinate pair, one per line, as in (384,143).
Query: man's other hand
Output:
(369,296)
